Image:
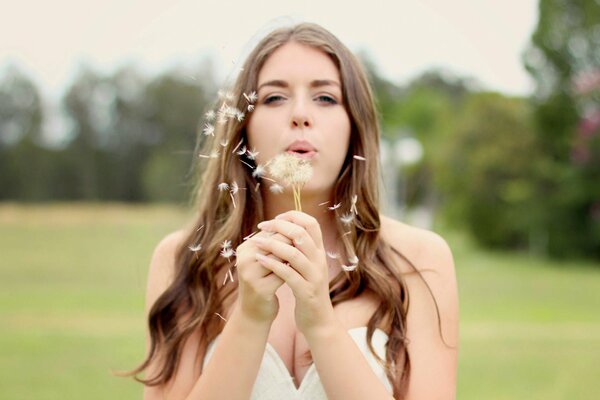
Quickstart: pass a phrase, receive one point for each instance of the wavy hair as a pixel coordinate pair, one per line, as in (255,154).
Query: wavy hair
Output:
(194,300)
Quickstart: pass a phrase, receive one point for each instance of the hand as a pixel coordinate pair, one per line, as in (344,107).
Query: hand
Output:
(306,271)
(257,285)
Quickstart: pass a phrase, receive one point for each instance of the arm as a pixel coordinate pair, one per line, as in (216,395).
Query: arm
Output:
(237,356)
(343,368)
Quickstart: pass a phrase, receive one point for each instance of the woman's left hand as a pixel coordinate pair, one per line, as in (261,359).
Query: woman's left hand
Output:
(307,273)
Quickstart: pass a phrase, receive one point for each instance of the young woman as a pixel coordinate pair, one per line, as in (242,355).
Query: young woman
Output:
(311,304)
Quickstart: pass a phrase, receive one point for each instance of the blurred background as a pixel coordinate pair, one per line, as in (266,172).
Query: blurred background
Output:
(490,115)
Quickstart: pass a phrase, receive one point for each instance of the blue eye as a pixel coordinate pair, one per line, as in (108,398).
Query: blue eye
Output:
(327,99)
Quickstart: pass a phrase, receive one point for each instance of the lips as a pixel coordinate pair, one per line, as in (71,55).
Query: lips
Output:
(302,148)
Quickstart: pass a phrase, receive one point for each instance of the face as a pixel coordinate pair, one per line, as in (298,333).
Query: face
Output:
(300,105)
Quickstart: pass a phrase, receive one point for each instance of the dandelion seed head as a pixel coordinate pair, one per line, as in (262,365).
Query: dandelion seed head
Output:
(290,169)
(227,253)
(252,97)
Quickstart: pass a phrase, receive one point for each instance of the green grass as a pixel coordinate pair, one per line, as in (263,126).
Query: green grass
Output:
(72,283)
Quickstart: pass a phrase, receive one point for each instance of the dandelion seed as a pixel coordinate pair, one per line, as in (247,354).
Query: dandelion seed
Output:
(199,228)
(234,187)
(226,244)
(333,255)
(359,158)
(353,204)
(250,235)
(227,253)
(220,316)
(210,115)
(347,218)
(220,93)
(242,151)
(349,268)
(259,171)
(323,203)
(232,200)
(195,248)
(252,154)
(240,116)
(229,96)
(276,188)
(250,107)
(251,166)
(209,130)
(238,145)
(251,98)
(256,187)
(203,156)
(353,260)
(214,154)
(223,186)
(228,275)
(335,206)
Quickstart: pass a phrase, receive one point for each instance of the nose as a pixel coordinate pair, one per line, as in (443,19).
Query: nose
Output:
(300,117)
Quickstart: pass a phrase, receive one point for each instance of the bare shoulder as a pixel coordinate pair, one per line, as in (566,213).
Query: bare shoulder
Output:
(433,314)
(420,245)
(162,266)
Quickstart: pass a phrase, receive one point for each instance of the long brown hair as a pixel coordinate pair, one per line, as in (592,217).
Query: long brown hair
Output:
(194,300)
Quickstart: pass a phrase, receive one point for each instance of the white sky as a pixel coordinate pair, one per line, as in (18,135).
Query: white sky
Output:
(480,38)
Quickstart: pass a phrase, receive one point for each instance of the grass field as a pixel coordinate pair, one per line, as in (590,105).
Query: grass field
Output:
(72,283)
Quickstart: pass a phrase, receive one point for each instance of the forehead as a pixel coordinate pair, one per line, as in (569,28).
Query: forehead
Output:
(298,62)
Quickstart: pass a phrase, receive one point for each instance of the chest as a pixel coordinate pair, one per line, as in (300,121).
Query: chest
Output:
(290,344)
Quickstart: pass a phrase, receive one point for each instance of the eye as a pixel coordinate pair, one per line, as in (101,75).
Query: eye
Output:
(327,99)
(271,99)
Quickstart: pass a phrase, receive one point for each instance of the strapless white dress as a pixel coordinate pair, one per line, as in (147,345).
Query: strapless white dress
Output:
(274,381)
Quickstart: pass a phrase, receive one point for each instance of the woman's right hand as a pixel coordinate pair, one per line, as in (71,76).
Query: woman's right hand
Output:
(257,285)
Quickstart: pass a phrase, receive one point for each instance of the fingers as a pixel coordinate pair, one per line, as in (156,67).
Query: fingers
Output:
(285,252)
(308,222)
(283,271)
(295,233)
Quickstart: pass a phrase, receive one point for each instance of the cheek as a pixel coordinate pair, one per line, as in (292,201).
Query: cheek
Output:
(259,137)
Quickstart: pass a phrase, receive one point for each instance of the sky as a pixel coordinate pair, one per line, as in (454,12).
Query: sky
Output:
(483,39)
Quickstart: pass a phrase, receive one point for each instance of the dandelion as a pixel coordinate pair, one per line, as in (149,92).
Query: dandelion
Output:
(347,218)
(223,186)
(360,158)
(250,107)
(252,154)
(210,115)
(335,206)
(276,188)
(209,130)
(294,171)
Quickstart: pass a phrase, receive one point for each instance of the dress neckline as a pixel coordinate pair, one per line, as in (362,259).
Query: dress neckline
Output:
(270,350)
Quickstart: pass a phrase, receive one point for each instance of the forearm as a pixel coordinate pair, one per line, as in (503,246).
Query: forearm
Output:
(231,371)
(344,372)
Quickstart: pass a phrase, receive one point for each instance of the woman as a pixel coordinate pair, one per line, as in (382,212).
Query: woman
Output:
(303,305)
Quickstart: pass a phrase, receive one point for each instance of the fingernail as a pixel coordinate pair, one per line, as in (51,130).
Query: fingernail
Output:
(261,224)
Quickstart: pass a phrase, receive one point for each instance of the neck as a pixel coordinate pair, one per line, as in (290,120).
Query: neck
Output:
(275,204)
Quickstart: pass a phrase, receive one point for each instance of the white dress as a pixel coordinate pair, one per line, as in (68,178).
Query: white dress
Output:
(274,381)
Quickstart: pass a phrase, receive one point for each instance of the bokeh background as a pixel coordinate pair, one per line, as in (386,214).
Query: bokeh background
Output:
(490,116)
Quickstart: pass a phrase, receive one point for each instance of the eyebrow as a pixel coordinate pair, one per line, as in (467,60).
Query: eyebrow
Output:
(314,84)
